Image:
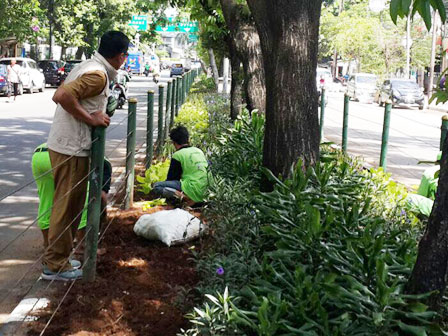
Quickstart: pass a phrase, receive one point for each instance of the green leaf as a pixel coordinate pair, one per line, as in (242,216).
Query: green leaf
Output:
(412,330)
(406,6)
(395,8)
(424,10)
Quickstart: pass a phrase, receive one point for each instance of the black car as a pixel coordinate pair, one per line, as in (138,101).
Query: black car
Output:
(69,65)
(177,70)
(401,92)
(4,87)
(53,71)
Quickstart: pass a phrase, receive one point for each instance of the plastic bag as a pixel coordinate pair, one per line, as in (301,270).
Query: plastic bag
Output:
(169,226)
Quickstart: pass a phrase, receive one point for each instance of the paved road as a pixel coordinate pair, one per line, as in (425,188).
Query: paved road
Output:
(23,126)
(414,136)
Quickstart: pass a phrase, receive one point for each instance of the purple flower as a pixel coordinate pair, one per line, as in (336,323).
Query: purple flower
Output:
(220,271)
(35,28)
(403,213)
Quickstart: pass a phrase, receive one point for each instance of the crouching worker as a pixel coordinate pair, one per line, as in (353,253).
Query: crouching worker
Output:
(43,175)
(187,176)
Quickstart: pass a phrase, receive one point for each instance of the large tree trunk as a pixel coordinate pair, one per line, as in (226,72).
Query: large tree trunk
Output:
(236,90)
(247,44)
(430,270)
(211,56)
(289,32)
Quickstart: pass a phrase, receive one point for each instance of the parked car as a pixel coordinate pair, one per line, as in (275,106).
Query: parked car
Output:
(31,76)
(52,71)
(177,69)
(68,66)
(4,87)
(401,92)
(362,87)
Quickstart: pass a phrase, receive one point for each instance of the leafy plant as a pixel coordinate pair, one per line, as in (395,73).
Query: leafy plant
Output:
(156,173)
(153,203)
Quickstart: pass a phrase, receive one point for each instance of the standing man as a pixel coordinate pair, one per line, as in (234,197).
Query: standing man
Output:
(14,79)
(82,101)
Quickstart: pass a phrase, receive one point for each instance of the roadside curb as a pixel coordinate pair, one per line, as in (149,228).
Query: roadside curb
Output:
(438,109)
(33,301)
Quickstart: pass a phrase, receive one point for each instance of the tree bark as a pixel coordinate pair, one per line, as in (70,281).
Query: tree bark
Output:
(247,45)
(289,32)
(236,89)
(211,56)
(430,269)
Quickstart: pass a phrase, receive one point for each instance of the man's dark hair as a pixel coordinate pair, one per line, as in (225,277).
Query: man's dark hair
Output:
(113,43)
(179,135)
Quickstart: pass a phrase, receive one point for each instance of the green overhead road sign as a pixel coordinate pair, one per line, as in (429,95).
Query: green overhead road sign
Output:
(182,26)
(139,22)
(192,37)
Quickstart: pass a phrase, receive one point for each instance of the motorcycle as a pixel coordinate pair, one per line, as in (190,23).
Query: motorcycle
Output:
(119,88)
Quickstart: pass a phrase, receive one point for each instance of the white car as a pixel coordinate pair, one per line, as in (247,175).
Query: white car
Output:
(362,87)
(31,75)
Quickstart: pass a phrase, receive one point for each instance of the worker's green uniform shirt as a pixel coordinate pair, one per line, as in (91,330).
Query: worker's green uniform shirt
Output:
(194,172)
(429,182)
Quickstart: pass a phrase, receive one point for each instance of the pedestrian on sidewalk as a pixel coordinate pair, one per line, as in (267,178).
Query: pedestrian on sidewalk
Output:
(187,177)
(81,104)
(14,79)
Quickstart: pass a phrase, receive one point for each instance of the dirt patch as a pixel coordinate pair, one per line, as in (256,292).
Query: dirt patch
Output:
(142,288)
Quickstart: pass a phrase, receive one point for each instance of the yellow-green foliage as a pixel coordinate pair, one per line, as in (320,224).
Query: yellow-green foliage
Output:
(194,116)
(156,173)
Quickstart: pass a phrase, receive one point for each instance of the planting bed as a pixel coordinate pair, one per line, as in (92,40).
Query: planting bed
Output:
(141,288)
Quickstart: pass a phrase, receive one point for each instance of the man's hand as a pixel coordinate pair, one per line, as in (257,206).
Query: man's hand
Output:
(99,118)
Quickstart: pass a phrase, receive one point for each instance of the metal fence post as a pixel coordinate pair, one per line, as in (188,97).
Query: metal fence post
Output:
(130,152)
(322,113)
(173,102)
(444,130)
(150,130)
(385,137)
(184,88)
(167,110)
(94,205)
(160,122)
(345,124)
(178,86)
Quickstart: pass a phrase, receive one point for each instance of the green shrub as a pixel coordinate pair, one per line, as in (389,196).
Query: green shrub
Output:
(193,115)
(328,252)
(203,85)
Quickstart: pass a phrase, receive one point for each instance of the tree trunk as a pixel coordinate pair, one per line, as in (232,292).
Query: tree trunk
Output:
(236,89)
(225,75)
(247,44)
(430,270)
(63,52)
(211,56)
(289,34)
(79,52)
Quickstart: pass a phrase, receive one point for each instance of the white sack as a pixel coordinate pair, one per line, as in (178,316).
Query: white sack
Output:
(169,226)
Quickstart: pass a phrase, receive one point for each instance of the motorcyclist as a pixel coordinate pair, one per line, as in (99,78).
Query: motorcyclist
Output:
(147,69)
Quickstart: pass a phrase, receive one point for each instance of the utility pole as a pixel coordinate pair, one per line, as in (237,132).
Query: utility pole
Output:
(408,45)
(335,54)
(433,55)
(50,21)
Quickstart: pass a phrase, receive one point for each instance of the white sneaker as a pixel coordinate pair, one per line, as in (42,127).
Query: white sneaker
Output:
(69,275)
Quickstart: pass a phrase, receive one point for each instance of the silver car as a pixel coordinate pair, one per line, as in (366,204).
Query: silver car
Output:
(362,87)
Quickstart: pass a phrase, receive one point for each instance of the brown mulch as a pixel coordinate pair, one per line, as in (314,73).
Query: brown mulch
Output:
(142,288)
